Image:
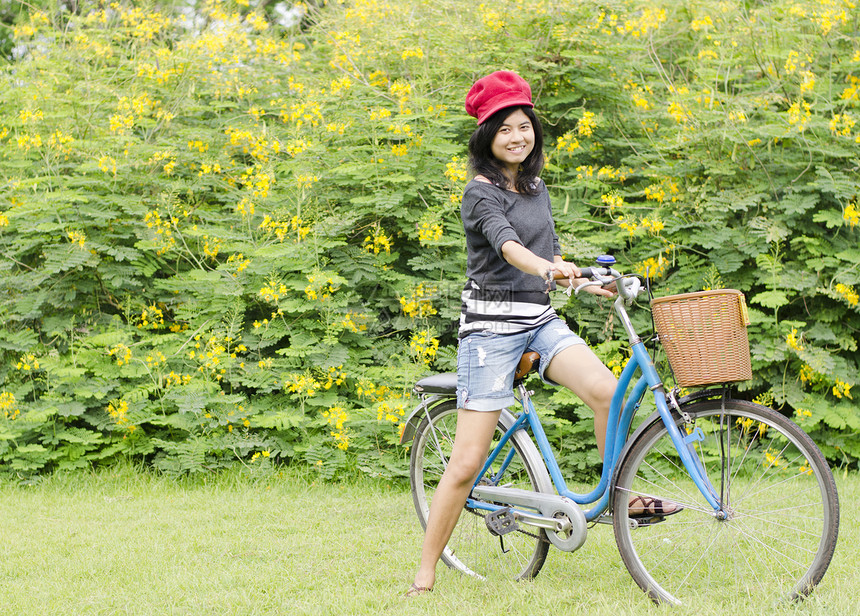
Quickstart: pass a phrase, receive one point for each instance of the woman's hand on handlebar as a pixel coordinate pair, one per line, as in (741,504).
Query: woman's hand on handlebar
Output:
(562,272)
(569,275)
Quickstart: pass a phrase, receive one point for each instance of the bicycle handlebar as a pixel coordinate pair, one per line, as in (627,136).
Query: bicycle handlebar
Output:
(628,285)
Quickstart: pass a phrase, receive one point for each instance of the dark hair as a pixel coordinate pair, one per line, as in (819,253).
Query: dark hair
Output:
(482,161)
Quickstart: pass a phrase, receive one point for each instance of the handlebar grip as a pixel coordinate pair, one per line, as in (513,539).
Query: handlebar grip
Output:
(587,272)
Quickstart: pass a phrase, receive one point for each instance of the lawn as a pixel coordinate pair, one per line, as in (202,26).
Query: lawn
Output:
(129,542)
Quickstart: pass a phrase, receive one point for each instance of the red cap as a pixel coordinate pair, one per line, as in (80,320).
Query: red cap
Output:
(497,91)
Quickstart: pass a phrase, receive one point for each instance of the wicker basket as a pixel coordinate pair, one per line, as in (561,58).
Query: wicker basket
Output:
(705,336)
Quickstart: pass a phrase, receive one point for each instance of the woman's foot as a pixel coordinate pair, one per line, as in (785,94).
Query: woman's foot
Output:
(648,507)
(416,591)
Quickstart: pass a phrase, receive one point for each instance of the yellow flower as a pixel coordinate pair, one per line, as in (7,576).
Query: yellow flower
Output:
(8,405)
(419,303)
(586,125)
(118,411)
(851,215)
(25,142)
(429,232)
(567,143)
(412,52)
(272,291)
(306,181)
(77,237)
(678,112)
(211,246)
(337,417)
(380,114)
(808,82)
(841,124)
(455,170)
(155,359)
(377,241)
(799,114)
(842,390)
(321,290)
(302,384)
(354,322)
(628,224)
(793,341)
(653,267)
(31,117)
(151,317)
(613,201)
(340,85)
(121,124)
(107,164)
(703,23)
(121,353)
(28,362)
(653,226)
(808,374)
(59,141)
(848,293)
(424,346)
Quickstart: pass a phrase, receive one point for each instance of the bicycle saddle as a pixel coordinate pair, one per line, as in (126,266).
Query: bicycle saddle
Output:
(528,364)
(445,383)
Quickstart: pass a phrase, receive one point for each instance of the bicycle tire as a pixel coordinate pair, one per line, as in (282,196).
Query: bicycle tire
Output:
(783,509)
(472,548)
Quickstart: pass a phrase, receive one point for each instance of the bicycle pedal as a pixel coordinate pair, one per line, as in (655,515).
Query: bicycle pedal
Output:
(649,521)
(501,522)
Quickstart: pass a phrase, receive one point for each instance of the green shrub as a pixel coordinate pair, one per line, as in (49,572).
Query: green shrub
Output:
(239,240)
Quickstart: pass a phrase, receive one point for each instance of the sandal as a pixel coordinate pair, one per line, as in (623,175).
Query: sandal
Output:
(652,508)
(416,591)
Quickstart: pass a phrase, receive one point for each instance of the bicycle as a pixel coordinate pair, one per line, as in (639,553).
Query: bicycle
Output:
(759,511)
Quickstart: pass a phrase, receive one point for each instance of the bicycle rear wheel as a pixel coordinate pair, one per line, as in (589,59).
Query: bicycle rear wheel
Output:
(780,501)
(472,549)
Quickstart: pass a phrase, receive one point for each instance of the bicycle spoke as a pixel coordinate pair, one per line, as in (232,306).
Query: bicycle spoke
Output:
(775,534)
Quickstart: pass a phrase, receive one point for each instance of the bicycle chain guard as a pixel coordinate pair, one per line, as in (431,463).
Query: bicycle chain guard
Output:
(501,522)
(561,518)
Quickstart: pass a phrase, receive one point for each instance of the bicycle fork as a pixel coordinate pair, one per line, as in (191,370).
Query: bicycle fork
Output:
(682,442)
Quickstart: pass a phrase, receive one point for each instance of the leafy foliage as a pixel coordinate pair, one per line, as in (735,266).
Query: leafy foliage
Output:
(225,240)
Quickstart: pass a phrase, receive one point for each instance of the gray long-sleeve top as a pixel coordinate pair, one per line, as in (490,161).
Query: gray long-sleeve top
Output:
(491,217)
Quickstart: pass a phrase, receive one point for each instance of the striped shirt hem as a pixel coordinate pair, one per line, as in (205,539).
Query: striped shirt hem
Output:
(502,312)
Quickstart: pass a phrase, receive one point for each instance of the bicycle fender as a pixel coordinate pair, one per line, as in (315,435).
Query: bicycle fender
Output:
(411,423)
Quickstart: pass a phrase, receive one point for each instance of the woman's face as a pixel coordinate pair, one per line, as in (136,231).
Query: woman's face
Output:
(514,141)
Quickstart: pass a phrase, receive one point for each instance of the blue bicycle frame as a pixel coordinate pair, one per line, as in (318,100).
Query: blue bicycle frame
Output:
(620,418)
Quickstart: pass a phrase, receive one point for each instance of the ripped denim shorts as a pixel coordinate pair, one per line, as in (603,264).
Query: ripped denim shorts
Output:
(486,363)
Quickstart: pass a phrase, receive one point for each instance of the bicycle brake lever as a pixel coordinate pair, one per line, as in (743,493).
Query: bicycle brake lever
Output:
(592,283)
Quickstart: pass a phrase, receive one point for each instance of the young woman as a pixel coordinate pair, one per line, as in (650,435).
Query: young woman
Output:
(513,255)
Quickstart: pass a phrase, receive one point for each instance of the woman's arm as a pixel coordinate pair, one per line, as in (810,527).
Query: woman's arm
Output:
(524,259)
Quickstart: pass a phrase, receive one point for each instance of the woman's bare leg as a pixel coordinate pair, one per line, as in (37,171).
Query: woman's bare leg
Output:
(471,445)
(582,372)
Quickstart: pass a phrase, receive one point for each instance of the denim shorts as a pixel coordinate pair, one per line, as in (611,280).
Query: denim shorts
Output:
(486,363)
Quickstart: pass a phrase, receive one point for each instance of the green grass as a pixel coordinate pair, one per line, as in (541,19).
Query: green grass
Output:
(125,542)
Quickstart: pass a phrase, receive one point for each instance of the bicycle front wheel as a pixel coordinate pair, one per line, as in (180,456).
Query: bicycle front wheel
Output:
(472,548)
(773,539)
